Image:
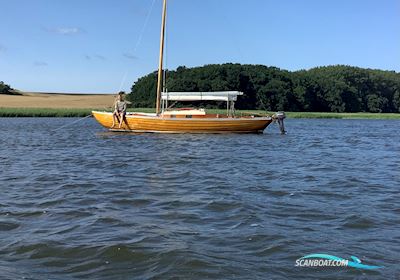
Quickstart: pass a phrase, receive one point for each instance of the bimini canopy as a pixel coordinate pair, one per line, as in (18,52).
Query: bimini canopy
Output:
(201,96)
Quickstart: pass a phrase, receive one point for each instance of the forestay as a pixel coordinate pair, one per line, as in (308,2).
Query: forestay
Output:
(201,96)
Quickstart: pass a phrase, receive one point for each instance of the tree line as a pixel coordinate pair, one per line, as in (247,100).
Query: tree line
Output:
(323,89)
(4,89)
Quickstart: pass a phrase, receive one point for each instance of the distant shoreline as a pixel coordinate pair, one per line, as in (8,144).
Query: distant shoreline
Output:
(31,104)
(83,112)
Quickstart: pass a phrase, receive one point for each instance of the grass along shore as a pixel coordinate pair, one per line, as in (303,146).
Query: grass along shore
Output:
(322,115)
(43,112)
(79,113)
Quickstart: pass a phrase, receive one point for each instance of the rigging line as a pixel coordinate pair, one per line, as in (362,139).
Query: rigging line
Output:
(123,81)
(69,124)
(139,41)
(146,22)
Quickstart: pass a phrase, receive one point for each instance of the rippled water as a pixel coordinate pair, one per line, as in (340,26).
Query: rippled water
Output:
(83,203)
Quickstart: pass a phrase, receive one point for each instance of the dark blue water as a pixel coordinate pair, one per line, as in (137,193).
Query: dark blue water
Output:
(82,203)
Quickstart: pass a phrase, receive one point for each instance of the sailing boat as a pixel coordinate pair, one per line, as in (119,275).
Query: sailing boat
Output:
(185,120)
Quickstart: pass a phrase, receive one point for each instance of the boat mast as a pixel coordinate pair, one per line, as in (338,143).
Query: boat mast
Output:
(160,67)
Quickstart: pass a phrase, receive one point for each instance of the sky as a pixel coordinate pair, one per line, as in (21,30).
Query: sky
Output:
(103,46)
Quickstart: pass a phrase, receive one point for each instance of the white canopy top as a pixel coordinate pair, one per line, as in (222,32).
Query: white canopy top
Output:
(200,96)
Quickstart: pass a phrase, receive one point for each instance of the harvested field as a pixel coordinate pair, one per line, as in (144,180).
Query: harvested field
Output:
(57,100)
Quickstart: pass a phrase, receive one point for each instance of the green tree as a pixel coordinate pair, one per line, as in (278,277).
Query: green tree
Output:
(4,89)
(396,101)
(338,88)
(375,103)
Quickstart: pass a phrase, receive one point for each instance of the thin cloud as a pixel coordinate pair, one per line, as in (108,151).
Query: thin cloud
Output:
(40,64)
(95,56)
(100,57)
(2,48)
(130,56)
(66,31)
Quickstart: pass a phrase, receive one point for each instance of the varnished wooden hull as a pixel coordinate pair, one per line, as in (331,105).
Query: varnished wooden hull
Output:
(150,123)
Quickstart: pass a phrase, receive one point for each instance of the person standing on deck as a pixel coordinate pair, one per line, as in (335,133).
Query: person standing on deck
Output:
(119,109)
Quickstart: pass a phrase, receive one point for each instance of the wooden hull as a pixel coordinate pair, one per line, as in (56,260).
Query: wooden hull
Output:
(138,122)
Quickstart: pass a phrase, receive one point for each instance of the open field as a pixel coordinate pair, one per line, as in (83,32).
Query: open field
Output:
(56,101)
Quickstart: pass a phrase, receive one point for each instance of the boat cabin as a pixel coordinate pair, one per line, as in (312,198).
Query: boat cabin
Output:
(228,96)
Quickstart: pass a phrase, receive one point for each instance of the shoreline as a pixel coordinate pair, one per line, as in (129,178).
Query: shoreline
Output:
(7,112)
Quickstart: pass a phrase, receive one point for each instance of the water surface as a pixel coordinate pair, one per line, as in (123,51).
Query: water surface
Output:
(82,203)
